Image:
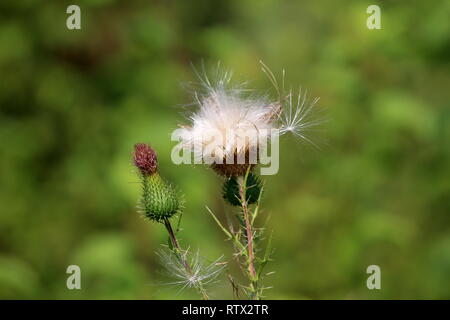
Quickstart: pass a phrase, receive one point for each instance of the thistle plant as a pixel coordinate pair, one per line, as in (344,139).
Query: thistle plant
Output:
(160,201)
(245,122)
(234,127)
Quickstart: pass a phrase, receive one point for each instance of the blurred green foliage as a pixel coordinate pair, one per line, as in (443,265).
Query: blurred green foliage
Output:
(73,103)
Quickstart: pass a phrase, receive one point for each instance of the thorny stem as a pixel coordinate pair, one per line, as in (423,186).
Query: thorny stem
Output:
(184,261)
(249,234)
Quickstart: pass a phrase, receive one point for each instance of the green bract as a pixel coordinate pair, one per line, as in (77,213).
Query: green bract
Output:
(231,190)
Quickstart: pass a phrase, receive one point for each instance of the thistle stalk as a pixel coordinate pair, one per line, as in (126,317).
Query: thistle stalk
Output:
(178,251)
(159,202)
(253,277)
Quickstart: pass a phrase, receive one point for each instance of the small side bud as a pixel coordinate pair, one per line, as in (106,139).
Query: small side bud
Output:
(144,158)
(160,200)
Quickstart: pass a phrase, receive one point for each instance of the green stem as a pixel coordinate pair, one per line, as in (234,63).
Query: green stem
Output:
(184,261)
(253,277)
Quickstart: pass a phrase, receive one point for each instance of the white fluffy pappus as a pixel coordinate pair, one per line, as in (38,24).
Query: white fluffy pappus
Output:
(231,121)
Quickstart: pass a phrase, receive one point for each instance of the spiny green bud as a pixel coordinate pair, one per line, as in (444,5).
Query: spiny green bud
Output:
(159,200)
(231,190)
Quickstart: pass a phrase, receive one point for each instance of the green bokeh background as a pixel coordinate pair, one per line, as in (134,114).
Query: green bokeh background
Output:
(73,103)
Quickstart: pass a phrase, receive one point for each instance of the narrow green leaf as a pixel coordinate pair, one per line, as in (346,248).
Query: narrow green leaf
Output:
(267,254)
(219,224)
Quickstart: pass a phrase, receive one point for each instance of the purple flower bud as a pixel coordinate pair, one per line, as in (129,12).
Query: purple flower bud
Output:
(144,158)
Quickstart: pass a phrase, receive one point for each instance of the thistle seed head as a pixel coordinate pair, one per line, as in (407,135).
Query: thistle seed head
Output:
(231,121)
(234,169)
